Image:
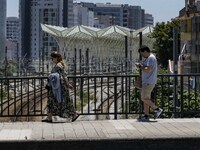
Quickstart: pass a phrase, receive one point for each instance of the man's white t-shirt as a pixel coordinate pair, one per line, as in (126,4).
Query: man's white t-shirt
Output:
(150,77)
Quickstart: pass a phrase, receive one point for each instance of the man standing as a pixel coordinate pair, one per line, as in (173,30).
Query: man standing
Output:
(149,79)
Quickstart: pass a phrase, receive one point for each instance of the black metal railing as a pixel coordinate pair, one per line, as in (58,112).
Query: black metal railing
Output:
(103,97)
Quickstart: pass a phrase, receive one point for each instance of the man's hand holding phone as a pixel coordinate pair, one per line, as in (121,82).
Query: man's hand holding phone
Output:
(138,65)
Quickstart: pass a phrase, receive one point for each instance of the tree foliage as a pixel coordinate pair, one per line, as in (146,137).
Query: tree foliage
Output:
(163,35)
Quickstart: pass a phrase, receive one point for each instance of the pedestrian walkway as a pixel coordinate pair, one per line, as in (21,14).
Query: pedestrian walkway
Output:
(102,134)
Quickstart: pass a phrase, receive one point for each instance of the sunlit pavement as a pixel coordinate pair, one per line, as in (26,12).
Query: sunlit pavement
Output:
(118,133)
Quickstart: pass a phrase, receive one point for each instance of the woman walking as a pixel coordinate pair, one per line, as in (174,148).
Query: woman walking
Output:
(59,102)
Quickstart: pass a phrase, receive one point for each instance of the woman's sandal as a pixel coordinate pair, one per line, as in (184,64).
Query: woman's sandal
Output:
(75,117)
(46,120)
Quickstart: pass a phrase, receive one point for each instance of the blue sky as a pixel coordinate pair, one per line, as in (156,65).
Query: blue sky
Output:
(162,10)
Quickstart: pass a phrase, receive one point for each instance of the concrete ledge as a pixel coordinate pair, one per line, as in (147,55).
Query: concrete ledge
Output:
(105,144)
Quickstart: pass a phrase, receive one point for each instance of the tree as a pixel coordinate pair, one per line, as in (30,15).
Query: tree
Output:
(163,45)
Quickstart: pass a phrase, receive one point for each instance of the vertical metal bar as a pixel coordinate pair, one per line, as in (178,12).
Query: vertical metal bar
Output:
(140,73)
(41,99)
(88,93)
(43,61)
(15,95)
(195,91)
(75,92)
(40,53)
(169,94)
(129,93)
(28,97)
(80,62)
(115,97)
(81,93)
(21,102)
(108,91)
(181,97)
(122,94)
(175,58)
(75,61)
(95,94)
(2,98)
(126,69)
(34,97)
(8,94)
(130,62)
(102,93)
(189,92)
(18,62)
(87,61)
(126,54)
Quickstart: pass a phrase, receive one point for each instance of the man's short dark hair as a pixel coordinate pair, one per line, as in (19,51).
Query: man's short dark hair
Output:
(144,48)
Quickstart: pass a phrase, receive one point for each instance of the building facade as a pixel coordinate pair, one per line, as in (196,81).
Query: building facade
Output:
(12,28)
(35,45)
(149,20)
(12,50)
(125,15)
(189,58)
(12,36)
(136,17)
(83,16)
(2,29)
(190,37)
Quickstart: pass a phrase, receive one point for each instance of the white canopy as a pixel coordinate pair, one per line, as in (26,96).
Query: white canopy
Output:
(101,42)
(53,30)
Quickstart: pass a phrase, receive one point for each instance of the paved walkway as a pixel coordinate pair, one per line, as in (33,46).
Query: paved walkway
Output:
(104,129)
(101,130)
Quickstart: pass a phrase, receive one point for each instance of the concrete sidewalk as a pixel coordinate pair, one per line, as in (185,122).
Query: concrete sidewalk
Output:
(102,134)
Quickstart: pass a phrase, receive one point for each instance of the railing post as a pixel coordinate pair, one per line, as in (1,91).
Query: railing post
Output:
(140,74)
(175,59)
(181,95)
(80,61)
(115,97)
(75,61)
(126,71)
(87,61)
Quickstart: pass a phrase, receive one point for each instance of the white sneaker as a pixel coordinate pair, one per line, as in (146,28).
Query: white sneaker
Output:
(157,113)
